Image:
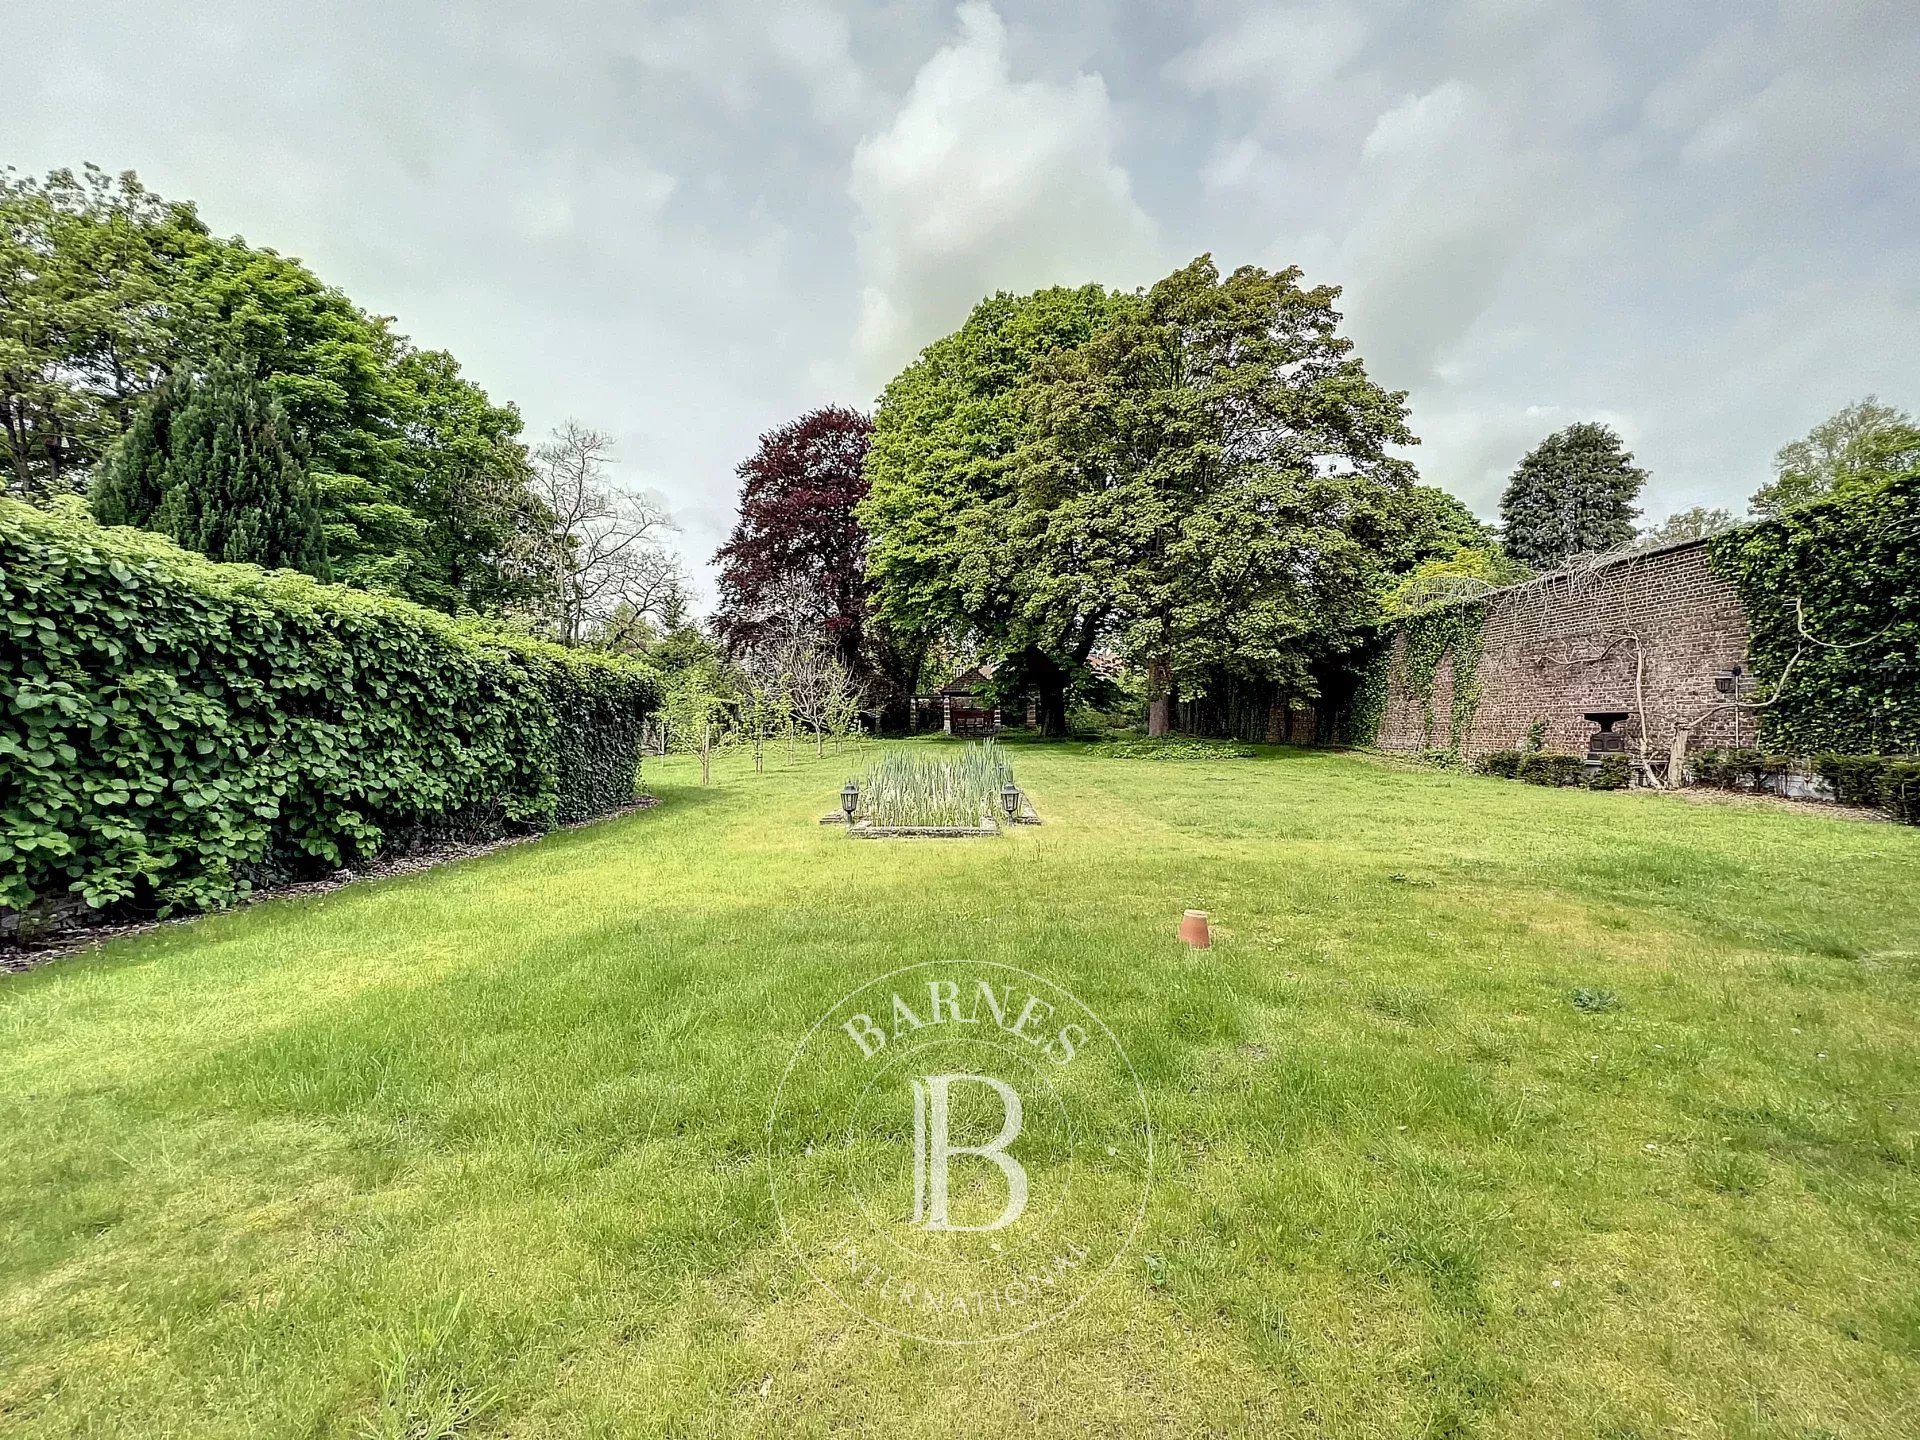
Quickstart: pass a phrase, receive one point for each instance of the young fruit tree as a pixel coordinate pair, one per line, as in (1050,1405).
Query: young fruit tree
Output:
(698,704)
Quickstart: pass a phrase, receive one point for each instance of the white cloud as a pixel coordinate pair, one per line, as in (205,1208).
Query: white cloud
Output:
(1244,164)
(981,181)
(1421,124)
(1298,47)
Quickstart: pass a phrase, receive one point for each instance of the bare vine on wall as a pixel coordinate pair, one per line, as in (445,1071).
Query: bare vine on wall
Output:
(1684,724)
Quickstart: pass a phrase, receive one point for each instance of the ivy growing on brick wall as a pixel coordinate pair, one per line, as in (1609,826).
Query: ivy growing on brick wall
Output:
(1429,637)
(1373,671)
(1853,564)
(173,731)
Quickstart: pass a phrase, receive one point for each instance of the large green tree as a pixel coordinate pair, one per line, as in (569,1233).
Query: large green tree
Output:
(463,476)
(1696,522)
(88,268)
(1572,495)
(1208,480)
(941,492)
(213,463)
(105,288)
(1428,524)
(1858,445)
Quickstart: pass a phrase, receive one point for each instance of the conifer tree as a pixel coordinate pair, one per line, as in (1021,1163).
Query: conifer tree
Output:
(1572,495)
(211,462)
(131,481)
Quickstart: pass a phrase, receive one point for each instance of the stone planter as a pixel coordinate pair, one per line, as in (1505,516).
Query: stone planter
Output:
(867,830)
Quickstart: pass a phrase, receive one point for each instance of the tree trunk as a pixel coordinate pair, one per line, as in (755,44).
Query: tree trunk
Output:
(1159,698)
(1677,757)
(1049,680)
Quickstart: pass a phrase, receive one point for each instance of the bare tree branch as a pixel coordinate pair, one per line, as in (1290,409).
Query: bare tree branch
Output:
(606,549)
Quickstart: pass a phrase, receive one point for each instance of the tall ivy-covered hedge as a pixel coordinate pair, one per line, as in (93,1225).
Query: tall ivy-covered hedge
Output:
(1852,564)
(172,730)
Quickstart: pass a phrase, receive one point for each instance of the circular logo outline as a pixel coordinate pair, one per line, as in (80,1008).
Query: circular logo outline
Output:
(1047,1318)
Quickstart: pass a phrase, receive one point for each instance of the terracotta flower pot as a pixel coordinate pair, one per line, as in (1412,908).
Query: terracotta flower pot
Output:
(1193,930)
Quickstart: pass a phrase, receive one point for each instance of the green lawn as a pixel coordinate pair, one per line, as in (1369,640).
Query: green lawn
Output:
(478,1151)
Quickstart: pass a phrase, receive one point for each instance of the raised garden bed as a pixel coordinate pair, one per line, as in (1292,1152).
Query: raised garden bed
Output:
(908,795)
(867,830)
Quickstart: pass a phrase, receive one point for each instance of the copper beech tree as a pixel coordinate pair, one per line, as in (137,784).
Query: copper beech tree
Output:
(793,573)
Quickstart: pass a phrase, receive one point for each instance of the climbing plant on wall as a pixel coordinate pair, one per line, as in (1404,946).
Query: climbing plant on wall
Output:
(1426,639)
(1837,585)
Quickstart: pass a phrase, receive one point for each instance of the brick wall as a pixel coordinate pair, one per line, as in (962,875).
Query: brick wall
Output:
(1569,643)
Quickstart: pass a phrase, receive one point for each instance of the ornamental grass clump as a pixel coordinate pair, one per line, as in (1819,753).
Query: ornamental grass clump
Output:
(905,789)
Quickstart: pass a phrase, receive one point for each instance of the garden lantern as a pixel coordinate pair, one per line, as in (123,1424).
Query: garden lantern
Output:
(1010,800)
(850,798)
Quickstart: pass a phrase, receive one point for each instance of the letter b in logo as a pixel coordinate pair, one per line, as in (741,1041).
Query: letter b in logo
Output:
(932,1148)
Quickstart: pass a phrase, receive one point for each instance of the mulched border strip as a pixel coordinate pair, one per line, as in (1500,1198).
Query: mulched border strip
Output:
(17,959)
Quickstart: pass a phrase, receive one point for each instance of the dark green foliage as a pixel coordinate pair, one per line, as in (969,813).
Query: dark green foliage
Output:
(212,464)
(1536,740)
(1549,767)
(1739,768)
(941,487)
(1594,1002)
(420,479)
(1572,495)
(1900,789)
(1504,764)
(1428,524)
(130,484)
(1198,477)
(173,730)
(1846,571)
(1613,774)
(1856,779)
(1210,479)
(1888,782)
(87,320)
(1711,767)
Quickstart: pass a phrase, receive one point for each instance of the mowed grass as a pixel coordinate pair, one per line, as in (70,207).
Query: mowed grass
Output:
(478,1151)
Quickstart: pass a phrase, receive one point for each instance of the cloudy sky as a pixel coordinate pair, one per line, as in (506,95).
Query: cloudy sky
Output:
(687,223)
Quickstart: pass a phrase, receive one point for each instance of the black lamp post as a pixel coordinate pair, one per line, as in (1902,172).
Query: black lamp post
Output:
(1010,800)
(850,799)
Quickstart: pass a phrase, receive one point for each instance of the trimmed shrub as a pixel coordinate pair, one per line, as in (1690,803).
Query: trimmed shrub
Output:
(1613,774)
(1549,767)
(1856,779)
(174,731)
(1900,790)
(1743,768)
(1709,767)
(1503,763)
(1890,782)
